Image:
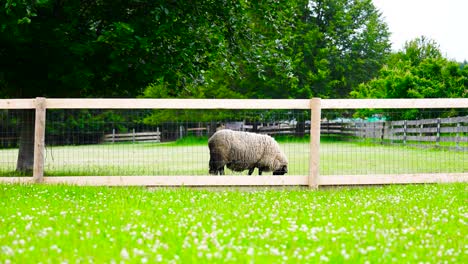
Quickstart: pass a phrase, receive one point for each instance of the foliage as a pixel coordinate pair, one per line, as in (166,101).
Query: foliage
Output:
(115,48)
(418,71)
(343,43)
(289,49)
(163,49)
(86,121)
(107,48)
(401,223)
(299,49)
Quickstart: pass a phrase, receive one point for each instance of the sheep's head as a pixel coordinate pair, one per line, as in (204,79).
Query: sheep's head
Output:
(283,170)
(280,164)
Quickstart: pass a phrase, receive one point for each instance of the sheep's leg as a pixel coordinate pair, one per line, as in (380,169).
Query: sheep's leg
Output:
(216,164)
(251,170)
(260,171)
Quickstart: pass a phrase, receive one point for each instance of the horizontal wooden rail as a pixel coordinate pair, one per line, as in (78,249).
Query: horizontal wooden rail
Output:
(394,103)
(137,139)
(17,103)
(392,179)
(179,103)
(67,103)
(138,134)
(324,180)
(168,180)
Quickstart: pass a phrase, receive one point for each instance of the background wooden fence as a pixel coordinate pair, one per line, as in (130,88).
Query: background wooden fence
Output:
(408,132)
(411,132)
(404,130)
(133,137)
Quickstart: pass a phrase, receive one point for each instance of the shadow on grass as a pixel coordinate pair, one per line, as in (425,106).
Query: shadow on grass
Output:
(15,174)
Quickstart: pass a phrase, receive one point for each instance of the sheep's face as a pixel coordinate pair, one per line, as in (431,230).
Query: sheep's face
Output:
(282,171)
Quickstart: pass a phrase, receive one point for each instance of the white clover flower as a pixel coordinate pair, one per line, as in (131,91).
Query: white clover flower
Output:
(372,248)
(7,250)
(274,251)
(324,258)
(56,248)
(344,254)
(124,253)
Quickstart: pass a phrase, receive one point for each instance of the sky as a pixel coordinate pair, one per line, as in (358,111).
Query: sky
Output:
(445,21)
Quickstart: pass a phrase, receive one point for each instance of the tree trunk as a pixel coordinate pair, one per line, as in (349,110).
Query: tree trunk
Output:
(255,127)
(25,161)
(212,128)
(300,128)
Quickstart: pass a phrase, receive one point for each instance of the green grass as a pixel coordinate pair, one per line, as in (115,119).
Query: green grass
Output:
(190,157)
(392,224)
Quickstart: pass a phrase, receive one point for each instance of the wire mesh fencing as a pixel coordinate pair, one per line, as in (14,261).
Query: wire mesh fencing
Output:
(408,141)
(16,142)
(159,142)
(88,142)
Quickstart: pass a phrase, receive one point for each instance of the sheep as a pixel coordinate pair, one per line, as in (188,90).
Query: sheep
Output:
(243,150)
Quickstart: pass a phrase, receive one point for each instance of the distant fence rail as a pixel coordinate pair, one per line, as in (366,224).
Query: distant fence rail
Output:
(133,137)
(452,130)
(405,130)
(430,130)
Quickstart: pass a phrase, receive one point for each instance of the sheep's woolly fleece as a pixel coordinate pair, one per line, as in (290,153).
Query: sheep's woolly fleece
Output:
(244,150)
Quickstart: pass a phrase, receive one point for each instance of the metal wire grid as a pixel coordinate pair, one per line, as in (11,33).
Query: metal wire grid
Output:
(387,143)
(13,123)
(85,142)
(94,146)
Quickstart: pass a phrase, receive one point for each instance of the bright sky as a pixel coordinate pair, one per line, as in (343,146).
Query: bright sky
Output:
(444,21)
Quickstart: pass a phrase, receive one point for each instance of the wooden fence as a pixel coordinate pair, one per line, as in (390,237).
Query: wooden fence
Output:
(133,137)
(314,105)
(408,132)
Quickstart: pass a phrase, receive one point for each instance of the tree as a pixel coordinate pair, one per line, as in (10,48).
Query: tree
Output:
(105,48)
(417,71)
(196,49)
(299,49)
(343,44)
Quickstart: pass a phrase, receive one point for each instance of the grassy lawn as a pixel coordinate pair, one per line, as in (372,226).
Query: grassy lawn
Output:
(191,158)
(392,224)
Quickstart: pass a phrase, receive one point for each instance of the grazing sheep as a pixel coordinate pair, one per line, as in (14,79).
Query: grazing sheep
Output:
(240,151)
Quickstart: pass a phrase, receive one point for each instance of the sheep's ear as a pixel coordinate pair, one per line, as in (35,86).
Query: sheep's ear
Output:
(276,163)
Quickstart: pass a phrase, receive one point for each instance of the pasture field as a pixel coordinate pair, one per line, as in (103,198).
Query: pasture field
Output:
(391,224)
(191,158)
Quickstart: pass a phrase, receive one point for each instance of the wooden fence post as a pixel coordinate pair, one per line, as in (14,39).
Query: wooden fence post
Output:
(364,130)
(438,132)
(373,132)
(181,132)
(382,135)
(392,133)
(315,112)
(405,129)
(421,129)
(39,140)
(457,139)
(159,135)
